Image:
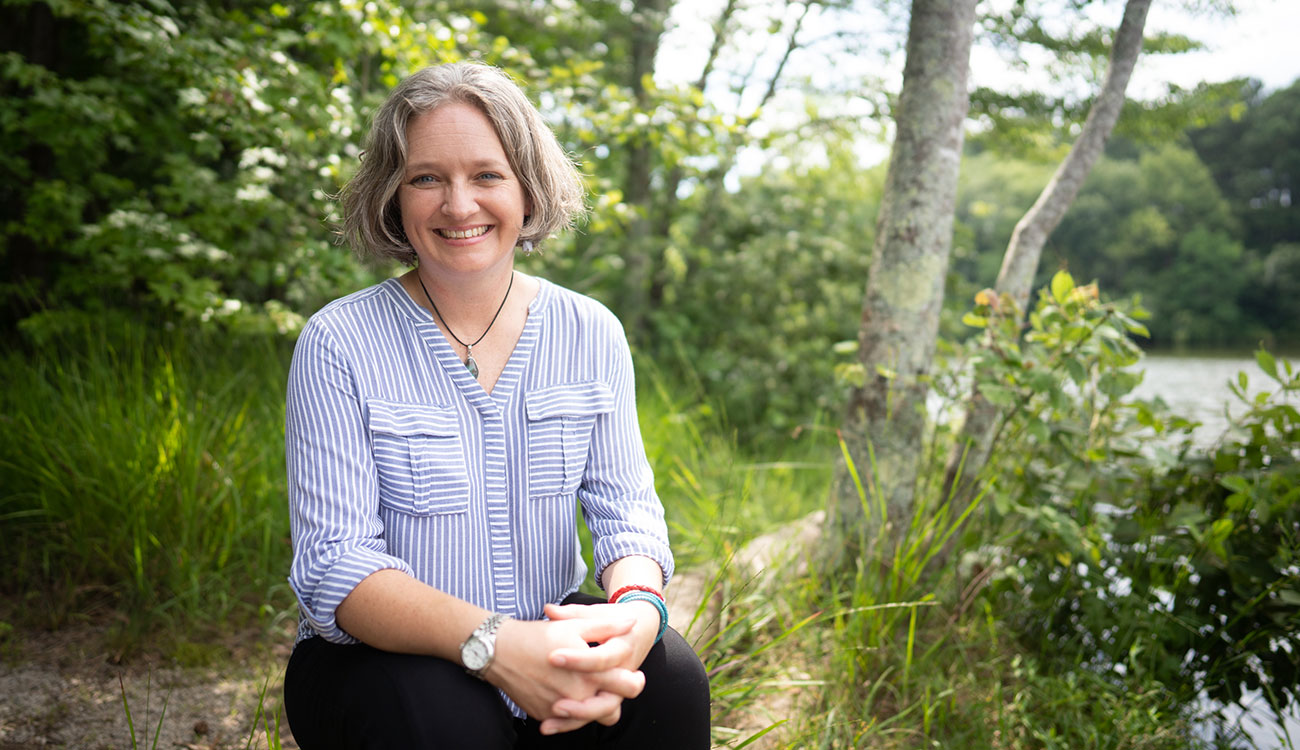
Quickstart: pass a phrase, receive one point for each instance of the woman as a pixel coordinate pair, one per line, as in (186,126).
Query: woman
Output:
(439,427)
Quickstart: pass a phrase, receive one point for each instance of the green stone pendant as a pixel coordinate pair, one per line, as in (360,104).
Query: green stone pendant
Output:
(470,364)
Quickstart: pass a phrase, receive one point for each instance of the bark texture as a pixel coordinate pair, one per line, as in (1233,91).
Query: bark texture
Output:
(648,19)
(900,313)
(1020,262)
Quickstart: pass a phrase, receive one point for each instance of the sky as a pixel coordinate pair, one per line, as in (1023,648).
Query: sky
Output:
(1258,41)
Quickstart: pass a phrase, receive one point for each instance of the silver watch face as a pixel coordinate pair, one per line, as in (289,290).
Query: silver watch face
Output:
(476,654)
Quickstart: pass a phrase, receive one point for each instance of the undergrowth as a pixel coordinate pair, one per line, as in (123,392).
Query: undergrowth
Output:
(143,475)
(143,482)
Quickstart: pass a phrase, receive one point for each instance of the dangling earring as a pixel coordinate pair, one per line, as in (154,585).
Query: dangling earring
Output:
(527,245)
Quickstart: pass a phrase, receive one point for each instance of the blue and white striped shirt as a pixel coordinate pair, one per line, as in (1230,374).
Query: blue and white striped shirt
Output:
(397,457)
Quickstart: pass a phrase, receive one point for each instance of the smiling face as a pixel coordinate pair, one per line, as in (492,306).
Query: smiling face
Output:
(462,206)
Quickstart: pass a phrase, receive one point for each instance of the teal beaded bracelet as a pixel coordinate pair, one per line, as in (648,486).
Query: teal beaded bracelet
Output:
(646,596)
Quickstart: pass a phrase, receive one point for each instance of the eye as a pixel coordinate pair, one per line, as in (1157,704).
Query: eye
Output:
(490,176)
(423,180)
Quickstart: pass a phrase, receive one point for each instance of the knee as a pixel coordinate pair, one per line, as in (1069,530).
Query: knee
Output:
(366,698)
(431,703)
(674,672)
(673,709)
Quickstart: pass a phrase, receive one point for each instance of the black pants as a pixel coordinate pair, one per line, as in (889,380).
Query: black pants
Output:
(360,698)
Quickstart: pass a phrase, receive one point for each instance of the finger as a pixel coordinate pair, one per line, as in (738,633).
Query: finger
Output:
(611,718)
(611,616)
(557,726)
(596,708)
(626,683)
(599,631)
(608,655)
(567,611)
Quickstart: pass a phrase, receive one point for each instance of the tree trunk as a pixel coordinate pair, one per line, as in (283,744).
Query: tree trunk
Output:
(885,421)
(648,19)
(1020,262)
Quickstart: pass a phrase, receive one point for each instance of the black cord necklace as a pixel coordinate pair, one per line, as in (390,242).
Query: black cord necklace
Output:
(470,364)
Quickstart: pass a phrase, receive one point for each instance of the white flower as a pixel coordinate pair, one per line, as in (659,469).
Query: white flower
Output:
(252,193)
(192,97)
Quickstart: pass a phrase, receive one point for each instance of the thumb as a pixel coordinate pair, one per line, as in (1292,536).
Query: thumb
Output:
(566,611)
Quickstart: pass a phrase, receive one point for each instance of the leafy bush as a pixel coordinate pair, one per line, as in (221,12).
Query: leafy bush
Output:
(178,159)
(1123,549)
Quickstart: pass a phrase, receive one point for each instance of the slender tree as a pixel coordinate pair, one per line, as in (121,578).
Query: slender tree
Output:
(900,312)
(1020,262)
(648,18)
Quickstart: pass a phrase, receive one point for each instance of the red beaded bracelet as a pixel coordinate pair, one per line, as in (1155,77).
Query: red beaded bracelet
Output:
(613,599)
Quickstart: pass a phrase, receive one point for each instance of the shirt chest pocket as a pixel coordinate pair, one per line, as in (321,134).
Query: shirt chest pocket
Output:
(560,422)
(419,458)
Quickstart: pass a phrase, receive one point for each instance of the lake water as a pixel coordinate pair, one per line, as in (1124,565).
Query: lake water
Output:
(1196,387)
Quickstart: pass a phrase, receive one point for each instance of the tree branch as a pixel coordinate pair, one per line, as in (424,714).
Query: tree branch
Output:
(1020,262)
(720,28)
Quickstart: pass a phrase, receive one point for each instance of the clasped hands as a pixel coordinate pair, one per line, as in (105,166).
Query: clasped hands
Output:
(552,670)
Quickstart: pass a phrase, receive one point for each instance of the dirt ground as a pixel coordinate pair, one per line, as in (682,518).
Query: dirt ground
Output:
(65,690)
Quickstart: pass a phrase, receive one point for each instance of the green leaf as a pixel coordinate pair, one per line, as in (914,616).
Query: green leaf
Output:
(1077,373)
(1267,363)
(1235,483)
(1062,285)
(999,396)
(975,321)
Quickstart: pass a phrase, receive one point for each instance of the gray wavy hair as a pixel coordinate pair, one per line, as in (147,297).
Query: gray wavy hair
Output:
(372,219)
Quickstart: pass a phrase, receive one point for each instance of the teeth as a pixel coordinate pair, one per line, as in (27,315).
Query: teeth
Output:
(452,234)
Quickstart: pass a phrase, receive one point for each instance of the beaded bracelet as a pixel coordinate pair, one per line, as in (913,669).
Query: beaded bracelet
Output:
(637,595)
(613,598)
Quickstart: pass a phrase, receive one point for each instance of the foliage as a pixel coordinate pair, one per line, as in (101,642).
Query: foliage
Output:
(892,653)
(1137,561)
(145,473)
(1255,162)
(1154,224)
(763,288)
(175,160)
(1158,226)
(930,637)
(941,632)
(1226,567)
(143,481)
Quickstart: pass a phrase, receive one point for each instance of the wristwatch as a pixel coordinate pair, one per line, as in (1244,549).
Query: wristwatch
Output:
(478,649)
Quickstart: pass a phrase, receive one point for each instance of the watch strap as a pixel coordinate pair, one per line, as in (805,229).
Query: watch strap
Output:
(486,632)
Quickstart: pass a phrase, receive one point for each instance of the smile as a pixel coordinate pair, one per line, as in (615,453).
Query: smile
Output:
(456,234)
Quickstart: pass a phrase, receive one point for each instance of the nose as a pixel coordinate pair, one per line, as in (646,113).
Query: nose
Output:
(458,201)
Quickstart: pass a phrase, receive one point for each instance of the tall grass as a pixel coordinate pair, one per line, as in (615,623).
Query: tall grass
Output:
(141,474)
(144,473)
(910,654)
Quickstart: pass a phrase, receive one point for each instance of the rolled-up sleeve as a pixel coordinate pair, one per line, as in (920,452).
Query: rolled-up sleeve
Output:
(332,486)
(617,493)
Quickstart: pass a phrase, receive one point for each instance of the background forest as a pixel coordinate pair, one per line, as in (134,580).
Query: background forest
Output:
(167,224)
(177,165)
